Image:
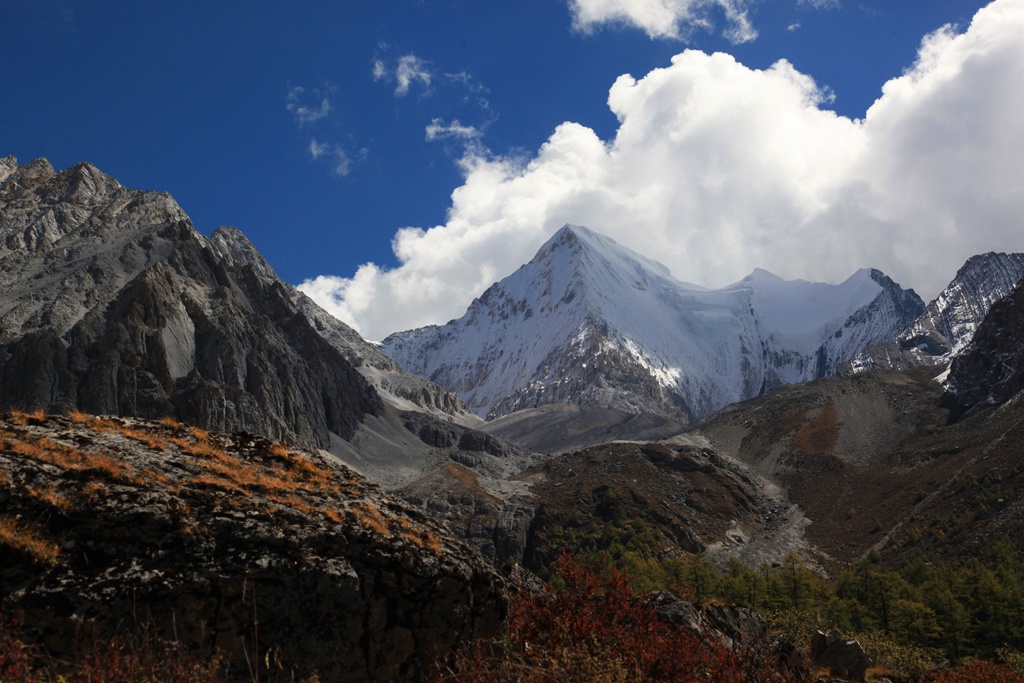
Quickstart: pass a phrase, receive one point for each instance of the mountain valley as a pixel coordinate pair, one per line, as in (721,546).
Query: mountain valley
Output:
(170,383)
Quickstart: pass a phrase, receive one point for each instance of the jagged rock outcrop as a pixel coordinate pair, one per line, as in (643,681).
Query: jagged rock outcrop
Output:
(275,558)
(111,302)
(404,391)
(949,321)
(590,322)
(472,490)
(990,371)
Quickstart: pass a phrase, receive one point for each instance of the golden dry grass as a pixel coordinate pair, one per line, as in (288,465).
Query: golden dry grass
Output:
(52,497)
(283,476)
(22,418)
(144,438)
(94,490)
(221,483)
(371,518)
(28,540)
(69,458)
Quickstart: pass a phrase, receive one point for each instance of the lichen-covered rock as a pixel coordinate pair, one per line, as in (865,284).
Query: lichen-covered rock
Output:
(233,544)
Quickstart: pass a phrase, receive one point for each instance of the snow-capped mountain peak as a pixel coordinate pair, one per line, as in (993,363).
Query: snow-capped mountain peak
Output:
(947,325)
(589,321)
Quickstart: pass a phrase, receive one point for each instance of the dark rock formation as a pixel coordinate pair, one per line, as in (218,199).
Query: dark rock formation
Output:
(111,302)
(232,544)
(991,370)
(842,657)
(740,629)
(949,321)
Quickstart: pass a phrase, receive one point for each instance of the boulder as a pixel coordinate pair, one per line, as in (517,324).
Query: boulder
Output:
(841,656)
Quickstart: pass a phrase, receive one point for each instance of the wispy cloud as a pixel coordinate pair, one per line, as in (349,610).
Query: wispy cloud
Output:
(676,19)
(439,130)
(305,113)
(408,71)
(338,156)
(341,162)
(717,168)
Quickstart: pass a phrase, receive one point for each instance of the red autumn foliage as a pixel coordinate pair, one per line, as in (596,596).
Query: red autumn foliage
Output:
(118,662)
(593,628)
(981,672)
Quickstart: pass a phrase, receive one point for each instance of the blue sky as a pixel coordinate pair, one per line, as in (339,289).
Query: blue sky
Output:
(323,129)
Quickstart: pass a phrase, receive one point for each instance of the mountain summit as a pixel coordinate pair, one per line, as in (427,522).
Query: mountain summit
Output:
(590,322)
(111,302)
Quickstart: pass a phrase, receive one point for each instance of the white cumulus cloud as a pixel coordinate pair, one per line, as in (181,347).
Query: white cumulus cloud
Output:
(717,168)
(665,18)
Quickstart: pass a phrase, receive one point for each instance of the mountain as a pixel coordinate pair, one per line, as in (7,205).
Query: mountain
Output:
(110,301)
(590,322)
(400,389)
(948,323)
(990,370)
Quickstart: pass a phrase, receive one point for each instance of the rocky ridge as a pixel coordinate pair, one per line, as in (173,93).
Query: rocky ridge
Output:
(402,390)
(113,523)
(990,371)
(111,302)
(949,321)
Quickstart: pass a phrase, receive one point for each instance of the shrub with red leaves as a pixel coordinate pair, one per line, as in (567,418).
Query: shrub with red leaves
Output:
(981,672)
(119,662)
(593,628)
(15,657)
(123,663)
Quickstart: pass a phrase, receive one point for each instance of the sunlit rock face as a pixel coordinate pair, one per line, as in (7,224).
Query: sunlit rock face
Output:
(110,301)
(948,324)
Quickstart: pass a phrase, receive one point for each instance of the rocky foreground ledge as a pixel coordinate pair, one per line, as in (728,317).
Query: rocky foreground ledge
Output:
(229,544)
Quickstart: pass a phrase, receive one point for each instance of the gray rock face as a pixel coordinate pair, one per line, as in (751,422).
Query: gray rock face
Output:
(403,391)
(111,302)
(262,553)
(949,322)
(991,370)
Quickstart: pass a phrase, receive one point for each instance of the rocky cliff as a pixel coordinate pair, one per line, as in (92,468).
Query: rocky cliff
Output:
(111,302)
(402,390)
(274,557)
(990,371)
(949,321)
